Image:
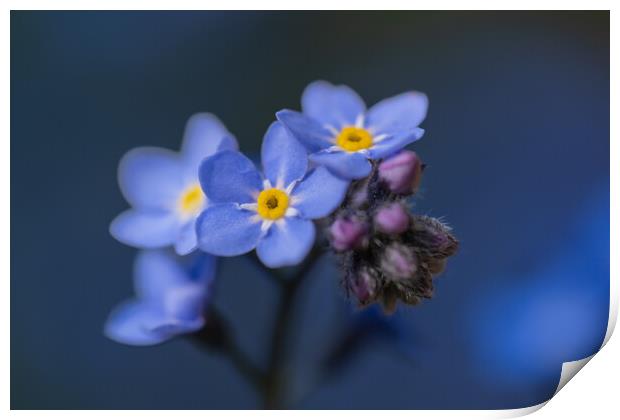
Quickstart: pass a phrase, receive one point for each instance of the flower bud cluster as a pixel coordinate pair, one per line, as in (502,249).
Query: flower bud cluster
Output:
(389,254)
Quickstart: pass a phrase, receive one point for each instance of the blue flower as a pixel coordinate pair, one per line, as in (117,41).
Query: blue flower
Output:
(171,296)
(269,213)
(163,189)
(341,135)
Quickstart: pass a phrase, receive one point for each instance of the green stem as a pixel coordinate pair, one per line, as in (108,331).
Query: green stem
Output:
(216,335)
(275,376)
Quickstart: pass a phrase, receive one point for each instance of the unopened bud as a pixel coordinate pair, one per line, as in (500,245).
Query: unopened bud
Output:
(402,173)
(399,261)
(359,193)
(434,236)
(363,285)
(389,299)
(347,234)
(392,219)
(437,265)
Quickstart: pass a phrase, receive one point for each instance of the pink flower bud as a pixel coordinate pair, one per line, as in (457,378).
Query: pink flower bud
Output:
(359,195)
(402,173)
(399,262)
(347,234)
(363,286)
(435,236)
(392,219)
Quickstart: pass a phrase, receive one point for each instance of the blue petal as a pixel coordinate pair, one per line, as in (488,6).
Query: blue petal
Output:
(306,130)
(227,230)
(185,304)
(398,113)
(186,241)
(319,194)
(172,327)
(229,177)
(151,177)
(201,268)
(284,159)
(128,322)
(393,144)
(343,164)
(156,273)
(287,243)
(163,282)
(337,106)
(146,229)
(204,136)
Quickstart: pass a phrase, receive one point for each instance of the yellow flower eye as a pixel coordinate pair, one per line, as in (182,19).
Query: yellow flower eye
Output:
(353,139)
(191,200)
(272,204)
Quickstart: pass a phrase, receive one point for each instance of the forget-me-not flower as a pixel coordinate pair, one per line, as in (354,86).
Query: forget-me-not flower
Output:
(342,135)
(171,296)
(270,213)
(163,189)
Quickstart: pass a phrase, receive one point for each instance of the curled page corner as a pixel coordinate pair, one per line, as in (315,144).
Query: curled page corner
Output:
(570,369)
(519,412)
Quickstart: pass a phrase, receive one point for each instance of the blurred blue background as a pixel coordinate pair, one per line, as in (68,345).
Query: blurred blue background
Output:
(517,147)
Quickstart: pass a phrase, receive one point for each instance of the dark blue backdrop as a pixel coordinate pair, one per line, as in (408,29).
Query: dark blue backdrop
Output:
(517,145)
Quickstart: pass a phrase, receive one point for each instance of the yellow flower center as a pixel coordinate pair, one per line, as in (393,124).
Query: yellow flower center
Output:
(272,203)
(353,139)
(191,200)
